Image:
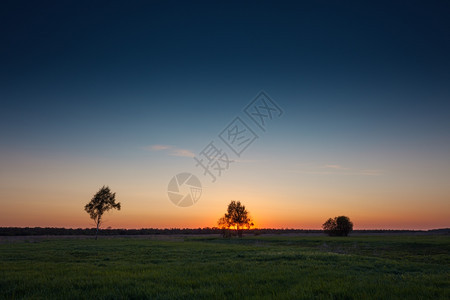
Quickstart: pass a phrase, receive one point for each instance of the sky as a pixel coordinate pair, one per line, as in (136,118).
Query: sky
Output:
(128,93)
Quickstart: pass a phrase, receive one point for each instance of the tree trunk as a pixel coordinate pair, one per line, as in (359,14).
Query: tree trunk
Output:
(96,232)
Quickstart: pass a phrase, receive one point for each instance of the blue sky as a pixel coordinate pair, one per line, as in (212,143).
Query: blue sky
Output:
(88,88)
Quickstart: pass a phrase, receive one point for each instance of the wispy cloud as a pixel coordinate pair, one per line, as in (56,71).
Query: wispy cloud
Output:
(336,169)
(158,147)
(373,172)
(246,160)
(171,150)
(182,153)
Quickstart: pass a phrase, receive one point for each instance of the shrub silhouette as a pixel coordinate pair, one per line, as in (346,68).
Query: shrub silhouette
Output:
(339,226)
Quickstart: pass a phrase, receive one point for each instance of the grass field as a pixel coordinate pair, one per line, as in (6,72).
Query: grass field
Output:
(375,267)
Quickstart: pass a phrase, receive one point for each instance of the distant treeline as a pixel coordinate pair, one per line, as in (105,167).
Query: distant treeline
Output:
(24,231)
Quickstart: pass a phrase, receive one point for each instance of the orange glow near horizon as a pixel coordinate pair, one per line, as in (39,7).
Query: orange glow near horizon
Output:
(286,204)
(137,216)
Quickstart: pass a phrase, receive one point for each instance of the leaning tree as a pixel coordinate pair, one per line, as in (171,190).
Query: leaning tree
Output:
(102,201)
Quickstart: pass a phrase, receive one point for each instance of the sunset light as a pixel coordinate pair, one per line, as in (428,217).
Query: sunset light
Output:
(270,149)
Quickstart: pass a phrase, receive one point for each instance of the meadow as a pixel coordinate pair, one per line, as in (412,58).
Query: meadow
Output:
(254,267)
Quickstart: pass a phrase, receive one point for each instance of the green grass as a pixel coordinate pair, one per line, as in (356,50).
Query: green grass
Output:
(383,267)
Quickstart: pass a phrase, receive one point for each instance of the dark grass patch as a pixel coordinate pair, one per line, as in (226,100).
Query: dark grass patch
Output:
(255,267)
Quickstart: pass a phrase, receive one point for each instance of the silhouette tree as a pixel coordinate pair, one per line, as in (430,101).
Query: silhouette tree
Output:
(102,201)
(339,226)
(236,216)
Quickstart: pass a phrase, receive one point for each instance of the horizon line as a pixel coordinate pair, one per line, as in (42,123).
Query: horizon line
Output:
(202,228)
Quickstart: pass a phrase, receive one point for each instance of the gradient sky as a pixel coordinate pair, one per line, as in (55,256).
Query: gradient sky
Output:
(91,92)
